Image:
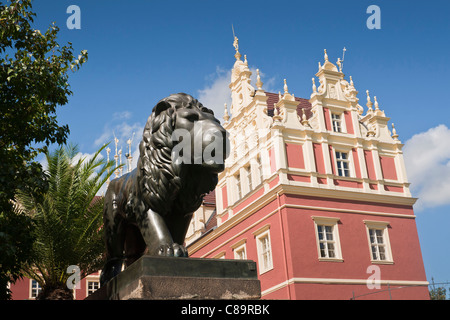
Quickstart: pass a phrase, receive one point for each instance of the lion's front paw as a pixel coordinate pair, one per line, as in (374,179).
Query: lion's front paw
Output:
(173,250)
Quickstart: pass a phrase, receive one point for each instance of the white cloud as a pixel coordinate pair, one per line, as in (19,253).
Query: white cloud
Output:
(427,160)
(121,115)
(119,128)
(214,96)
(85,156)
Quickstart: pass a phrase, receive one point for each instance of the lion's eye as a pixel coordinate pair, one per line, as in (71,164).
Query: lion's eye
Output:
(204,109)
(192,117)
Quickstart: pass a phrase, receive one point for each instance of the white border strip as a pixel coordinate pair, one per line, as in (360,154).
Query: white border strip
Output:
(341,281)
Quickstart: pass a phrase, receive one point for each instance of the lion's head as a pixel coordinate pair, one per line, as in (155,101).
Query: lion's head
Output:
(182,150)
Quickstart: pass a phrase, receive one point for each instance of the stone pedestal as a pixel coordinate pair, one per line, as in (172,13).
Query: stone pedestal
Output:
(157,278)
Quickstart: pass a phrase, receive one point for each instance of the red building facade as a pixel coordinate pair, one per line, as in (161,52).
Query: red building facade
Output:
(316,192)
(28,289)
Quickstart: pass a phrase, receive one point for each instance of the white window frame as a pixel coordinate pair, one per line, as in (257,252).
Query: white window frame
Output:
(220,255)
(259,168)
(264,249)
(88,282)
(375,244)
(336,122)
(248,173)
(36,288)
(238,184)
(332,223)
(340,160)
(240,250)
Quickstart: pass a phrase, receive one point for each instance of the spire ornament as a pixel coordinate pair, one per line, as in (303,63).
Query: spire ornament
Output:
(226,117)
(285,87)
(377,107)
(369,103)
(276,113)
(259,83)
(304,119)
(394,133)
(314,85)
(236,45)
(325,54)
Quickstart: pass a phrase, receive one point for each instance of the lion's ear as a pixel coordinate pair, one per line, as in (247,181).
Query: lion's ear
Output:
(160,107)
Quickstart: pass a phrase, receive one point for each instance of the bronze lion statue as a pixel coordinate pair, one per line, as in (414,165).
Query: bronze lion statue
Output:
(148,210)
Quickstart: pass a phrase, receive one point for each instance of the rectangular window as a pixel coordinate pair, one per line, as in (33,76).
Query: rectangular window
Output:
(343,164)
(35,289)
(92,286)
(259,171)
(264,249)
(327,236)
(248,173)
(337,122)
(326,241)
(377,233)
(238,186)
(240,250)
(377,244)
(266,252)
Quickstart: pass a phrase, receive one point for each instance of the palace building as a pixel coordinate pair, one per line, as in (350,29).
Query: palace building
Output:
(315,191)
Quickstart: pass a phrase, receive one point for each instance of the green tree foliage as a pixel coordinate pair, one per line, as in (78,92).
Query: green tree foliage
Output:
(67,220)
(34,72)
(16,242)
(438,293)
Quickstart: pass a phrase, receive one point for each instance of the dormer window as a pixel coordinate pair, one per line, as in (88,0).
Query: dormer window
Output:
(336,121)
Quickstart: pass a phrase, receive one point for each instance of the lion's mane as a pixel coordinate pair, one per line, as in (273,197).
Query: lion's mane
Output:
(159,179)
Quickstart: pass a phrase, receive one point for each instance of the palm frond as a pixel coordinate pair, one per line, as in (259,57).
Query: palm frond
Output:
(68,217)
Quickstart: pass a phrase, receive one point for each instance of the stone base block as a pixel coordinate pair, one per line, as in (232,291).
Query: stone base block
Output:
(158,278)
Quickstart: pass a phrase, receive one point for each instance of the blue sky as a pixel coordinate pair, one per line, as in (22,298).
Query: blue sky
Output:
(141,51)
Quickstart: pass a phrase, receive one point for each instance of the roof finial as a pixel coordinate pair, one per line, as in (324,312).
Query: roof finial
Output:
(245,60)
(325,54)
(236,45)
(376,103)
(259,83)
(351,81)
(276,113)
(314,85)
(369,103)
(341,66)
(116,156)
(128,155)
(226,117)
(304,119)
(339,63)
(394,133)
(285,87)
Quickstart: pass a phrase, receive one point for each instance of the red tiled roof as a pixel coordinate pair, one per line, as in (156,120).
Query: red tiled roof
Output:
(304,104)
(211,223)
(210,198)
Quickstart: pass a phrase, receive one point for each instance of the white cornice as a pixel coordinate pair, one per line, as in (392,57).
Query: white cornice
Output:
(304,191)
